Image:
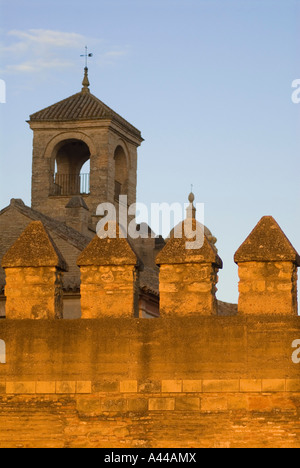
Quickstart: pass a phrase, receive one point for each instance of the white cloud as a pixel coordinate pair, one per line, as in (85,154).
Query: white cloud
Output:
(34,41)
(48,37)
(38,65)
(37,50)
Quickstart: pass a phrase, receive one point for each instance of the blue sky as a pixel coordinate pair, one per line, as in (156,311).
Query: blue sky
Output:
(207,82)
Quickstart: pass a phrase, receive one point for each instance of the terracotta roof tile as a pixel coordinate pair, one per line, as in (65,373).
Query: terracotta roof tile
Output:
(67,233)
(81,106)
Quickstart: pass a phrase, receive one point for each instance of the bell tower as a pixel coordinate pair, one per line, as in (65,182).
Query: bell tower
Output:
(68,135)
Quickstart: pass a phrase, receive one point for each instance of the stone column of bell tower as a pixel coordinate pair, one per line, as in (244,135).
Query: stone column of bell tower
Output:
(71,132)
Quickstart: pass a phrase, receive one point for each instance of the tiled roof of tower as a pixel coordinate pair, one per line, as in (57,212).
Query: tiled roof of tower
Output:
(61,229)
(81,106)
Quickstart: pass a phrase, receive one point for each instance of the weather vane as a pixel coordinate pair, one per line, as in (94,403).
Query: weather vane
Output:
(86,55)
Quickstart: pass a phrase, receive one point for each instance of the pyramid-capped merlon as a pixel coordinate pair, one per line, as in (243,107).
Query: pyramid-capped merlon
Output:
(34,248)
(267,243)
(81,106)
(176,250)
(108,251)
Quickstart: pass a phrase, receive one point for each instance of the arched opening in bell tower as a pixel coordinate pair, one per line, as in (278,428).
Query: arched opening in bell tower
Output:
(121,173)
(71,173)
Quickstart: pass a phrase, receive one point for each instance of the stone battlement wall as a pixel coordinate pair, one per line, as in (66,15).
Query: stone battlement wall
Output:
(187,379)
(197,348)
(178,382)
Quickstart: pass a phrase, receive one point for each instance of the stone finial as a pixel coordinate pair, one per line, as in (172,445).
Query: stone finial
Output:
(268,271)
(191,210)
(191,197)
(188,277)
(109,282)
(86,82)
(33,268)
(191,214)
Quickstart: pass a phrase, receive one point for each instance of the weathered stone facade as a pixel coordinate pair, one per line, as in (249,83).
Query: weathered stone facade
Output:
(109,278)
(138,383)
(13,221)
(33,268)
(188,278)
(176,382)
(268,271)
(68,134)
(107,377)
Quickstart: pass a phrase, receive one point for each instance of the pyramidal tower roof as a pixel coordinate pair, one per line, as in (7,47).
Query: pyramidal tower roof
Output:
(82,106)
(267,243)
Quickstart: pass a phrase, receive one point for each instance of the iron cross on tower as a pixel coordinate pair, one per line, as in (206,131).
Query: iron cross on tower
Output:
(86,55)
(86,82)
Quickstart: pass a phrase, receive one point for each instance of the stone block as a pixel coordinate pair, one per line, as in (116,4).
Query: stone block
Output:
(2,388)
(128,386)
(293,385)
(137,405)
(161,404)
(83,387)
(171,386)
(221,386)
(251,385)
(260,403)
(214,404)
(284,402)
(106,387)
(273,385)
(66,387)
(187,404)
(89,405)
(20,388)
(192,386)
(151,386)
(48,387)
(114,405)
(237,402)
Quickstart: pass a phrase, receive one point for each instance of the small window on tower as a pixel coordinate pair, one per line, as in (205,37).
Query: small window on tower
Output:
(2,352)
